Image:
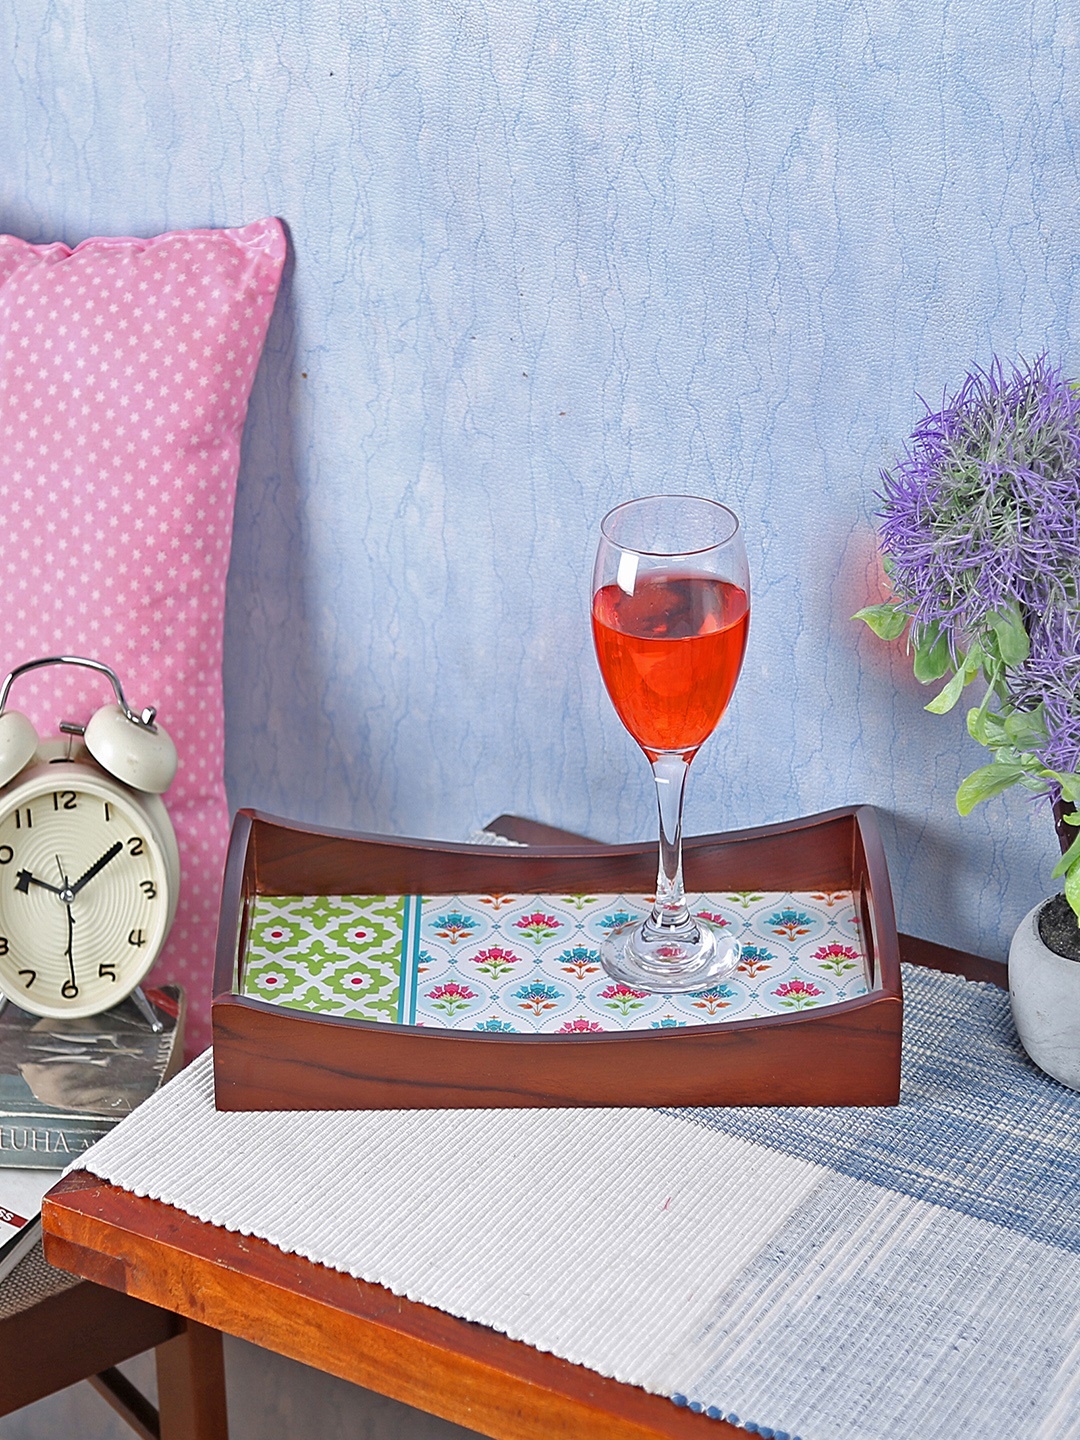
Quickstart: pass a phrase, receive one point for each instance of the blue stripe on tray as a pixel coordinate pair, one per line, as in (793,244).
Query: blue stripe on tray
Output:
(407,966)
(979,1129)
(418,915)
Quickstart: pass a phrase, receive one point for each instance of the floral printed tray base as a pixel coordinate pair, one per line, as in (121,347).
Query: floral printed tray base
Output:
(530,964)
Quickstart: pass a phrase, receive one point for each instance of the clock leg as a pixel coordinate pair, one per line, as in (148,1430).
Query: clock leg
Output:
(146,1010)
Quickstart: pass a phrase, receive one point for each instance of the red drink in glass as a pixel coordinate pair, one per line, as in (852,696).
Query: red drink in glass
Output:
(670,614)
(670,655)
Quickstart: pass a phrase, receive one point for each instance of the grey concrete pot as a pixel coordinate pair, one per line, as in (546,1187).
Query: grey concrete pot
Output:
(1045,992)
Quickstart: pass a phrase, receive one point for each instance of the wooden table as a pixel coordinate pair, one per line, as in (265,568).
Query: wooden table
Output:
(466,1373)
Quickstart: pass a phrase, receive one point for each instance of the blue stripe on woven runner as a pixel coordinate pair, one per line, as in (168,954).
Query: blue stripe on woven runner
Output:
(979,1129)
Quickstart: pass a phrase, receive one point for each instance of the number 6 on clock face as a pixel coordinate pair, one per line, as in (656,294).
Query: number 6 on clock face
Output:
(89,876)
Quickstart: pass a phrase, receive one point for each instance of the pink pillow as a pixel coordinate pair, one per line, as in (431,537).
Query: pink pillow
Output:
(125,370)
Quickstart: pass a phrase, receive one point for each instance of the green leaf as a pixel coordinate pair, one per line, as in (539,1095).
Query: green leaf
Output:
(933,658)
(983,783)
(943,702)
(985,726)
(993,670)
(1070,784)
(1012,639)
(1067,861)
(887,621)
(1072,889)
(1035,783)
(974,660)
(1026,728)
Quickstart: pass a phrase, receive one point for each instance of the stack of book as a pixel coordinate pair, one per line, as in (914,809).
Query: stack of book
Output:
(63,1084)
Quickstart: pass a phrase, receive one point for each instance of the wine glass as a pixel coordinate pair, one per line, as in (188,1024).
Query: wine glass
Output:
(670,615)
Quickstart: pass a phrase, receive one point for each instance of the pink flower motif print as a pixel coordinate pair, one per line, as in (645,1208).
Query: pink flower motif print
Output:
(451,997)
(579,1027)
(797,995)
(495,961)
(538,926)
(836,958)
(623,998)
(713,919)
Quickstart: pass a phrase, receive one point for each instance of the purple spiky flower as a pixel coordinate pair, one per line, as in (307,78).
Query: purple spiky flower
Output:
(982,514)
(1051,675)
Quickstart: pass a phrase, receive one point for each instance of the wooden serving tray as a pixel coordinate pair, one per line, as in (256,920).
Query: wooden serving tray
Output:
(271,1057)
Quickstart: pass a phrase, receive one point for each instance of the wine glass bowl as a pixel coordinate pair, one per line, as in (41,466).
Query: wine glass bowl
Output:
(670,616)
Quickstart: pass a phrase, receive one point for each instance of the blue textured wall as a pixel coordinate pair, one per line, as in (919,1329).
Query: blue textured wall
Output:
(547,256)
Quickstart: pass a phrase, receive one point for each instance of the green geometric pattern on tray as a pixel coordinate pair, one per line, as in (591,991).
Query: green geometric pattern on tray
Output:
(331,954)
(530,964)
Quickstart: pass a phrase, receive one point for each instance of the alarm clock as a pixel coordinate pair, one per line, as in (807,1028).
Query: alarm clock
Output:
(89,865)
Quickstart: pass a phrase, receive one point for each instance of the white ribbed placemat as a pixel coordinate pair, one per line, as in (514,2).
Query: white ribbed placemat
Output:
(582,1215)
(663,1249)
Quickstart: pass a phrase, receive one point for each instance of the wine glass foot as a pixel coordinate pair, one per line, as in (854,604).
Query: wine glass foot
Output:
(646,958)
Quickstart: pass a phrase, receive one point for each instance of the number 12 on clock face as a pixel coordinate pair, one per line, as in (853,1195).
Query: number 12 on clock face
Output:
(89,875)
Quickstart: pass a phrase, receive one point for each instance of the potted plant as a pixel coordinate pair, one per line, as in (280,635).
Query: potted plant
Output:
(980,538)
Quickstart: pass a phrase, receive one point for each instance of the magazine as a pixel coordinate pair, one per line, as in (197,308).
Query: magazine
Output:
(21,1192)
(64,1083)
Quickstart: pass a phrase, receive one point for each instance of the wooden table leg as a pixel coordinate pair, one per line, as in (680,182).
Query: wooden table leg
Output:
(191,1385)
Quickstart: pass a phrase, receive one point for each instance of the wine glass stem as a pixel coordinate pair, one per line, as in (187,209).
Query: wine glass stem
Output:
(670,912)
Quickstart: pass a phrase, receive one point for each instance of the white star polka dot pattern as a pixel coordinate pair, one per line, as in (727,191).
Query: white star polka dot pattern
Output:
(125,371)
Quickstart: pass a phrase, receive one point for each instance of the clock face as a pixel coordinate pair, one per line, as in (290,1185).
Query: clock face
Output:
(85,892)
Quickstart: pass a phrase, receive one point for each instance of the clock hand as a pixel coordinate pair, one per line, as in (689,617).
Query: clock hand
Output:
(24,880)
(69,952)
(99,864)
(70,988)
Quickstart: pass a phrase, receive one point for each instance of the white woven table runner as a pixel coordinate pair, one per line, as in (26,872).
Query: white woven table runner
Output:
(829,1274)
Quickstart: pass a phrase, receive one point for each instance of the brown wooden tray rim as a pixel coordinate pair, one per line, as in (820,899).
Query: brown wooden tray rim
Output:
(270,1057)
(666,1036)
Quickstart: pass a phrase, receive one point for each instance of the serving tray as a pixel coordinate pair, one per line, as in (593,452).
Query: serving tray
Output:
(362,972)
